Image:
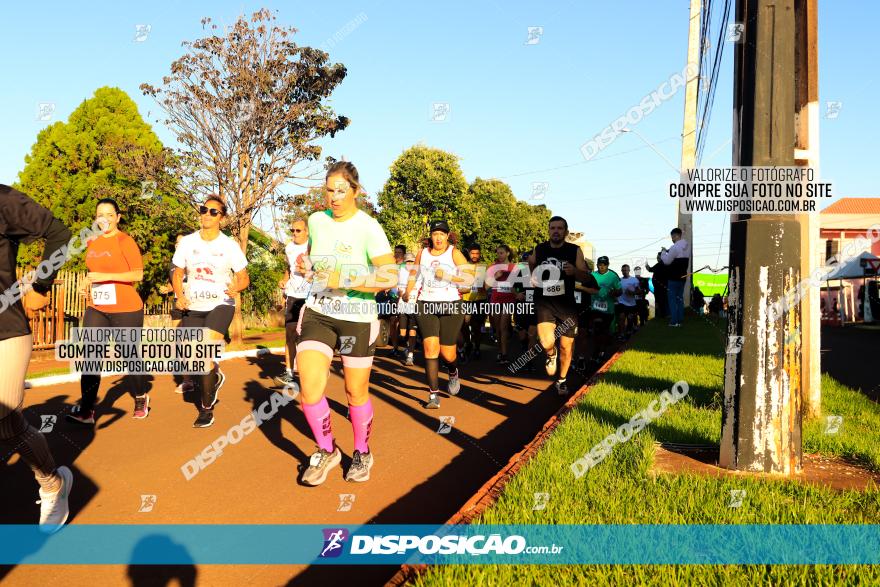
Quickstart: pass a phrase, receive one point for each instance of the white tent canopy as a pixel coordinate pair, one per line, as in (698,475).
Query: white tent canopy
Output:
(852,269)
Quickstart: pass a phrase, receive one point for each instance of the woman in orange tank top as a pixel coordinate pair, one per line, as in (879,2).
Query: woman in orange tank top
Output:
(115,264)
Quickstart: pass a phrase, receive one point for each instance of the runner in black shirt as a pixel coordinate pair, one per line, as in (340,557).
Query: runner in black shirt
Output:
(21,221)
(555,266)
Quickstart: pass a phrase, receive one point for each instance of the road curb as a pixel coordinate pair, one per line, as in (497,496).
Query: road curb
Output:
(491,489)
(74,377)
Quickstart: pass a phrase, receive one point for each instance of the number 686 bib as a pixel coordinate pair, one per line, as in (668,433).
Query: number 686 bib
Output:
(554,288)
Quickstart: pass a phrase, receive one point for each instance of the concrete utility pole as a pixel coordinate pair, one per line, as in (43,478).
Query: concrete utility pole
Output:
(807,153)
(689,133)
(761,418)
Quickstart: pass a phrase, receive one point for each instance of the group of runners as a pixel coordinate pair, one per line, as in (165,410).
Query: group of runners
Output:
(339,262)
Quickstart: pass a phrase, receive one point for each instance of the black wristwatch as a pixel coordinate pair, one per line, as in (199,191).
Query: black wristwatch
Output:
(41,288)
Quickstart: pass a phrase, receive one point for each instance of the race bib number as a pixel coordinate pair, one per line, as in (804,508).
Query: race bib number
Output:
(577,297)
(504,287)
(600,306)
(530,295)
(104,294)
(554,289)
(203,292)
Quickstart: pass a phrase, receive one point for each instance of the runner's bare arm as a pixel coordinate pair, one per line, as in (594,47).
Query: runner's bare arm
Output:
(460,261)
(125,276)
(239,282)
(580,266)
(382,280)
(182,302)
(283,281)
(413,273)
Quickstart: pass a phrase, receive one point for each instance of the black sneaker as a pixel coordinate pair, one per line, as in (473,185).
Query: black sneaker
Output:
(205,419)
(477,354)
(285,380)
(221,379)
(581,364)
(561,388)
(80,416)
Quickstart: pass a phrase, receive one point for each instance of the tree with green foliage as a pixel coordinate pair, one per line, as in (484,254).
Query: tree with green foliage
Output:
(502,219)
(106,150)
(425,184)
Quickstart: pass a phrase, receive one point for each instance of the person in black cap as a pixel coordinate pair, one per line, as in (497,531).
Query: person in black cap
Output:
(556,265)
(438,311)
(602,307)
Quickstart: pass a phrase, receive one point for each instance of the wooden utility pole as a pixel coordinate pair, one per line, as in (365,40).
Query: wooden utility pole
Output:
(807,153)
(761,417)
(689,133)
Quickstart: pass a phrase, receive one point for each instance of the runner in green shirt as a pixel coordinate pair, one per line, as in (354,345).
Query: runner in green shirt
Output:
(602,308)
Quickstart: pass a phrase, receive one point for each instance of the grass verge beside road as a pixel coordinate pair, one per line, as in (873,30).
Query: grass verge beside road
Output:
(620,489)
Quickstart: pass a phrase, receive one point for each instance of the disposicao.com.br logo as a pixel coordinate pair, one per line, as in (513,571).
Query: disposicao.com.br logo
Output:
(430,544)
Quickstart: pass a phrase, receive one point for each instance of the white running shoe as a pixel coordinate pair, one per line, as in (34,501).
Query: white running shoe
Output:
(550,364)
(454,384)
(54,510)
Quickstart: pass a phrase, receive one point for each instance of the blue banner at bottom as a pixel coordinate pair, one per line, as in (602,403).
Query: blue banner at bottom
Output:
(430,544)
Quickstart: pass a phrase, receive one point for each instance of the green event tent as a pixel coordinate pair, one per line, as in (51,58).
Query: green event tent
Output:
(710,283)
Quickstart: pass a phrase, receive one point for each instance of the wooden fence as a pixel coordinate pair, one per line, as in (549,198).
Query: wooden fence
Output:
(66,308)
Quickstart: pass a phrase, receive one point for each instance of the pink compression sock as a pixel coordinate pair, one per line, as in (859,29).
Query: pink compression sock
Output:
(361,424)
(318,417)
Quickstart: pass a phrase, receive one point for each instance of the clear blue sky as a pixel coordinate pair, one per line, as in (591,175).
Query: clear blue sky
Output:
(516,109)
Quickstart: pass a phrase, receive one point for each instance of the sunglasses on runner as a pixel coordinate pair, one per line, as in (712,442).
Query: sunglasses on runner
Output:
(213,211)
(298,230)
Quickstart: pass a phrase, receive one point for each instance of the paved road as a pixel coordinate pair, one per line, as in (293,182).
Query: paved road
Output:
(420,476)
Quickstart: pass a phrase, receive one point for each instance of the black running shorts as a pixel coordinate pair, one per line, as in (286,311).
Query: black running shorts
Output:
(356,341)
(440,319)
(559,314)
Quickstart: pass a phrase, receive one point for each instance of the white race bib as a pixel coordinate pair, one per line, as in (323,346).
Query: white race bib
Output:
(600,306)
(503,287)
(577,297)
(530,295)
(203,291)
(104,294)
(554,289)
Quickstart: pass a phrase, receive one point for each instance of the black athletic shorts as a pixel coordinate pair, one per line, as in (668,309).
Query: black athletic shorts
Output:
(603,321)
(217,319)
(445,325)
(523,321)
(559,314)
(292,309)
(356,341)
(407,322)
(624,309)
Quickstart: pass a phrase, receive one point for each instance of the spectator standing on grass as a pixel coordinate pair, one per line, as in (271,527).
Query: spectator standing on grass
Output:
(716,305)
(661,295)
(641,297)
(698,301)
(677,260)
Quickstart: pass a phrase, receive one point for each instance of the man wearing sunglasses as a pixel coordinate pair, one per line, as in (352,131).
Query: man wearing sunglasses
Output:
(216,269)
(296,290)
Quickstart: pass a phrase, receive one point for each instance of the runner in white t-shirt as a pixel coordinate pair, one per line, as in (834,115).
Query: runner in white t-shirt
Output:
(626,303)
(215,270)
(439,311)
(296,290)
(346,247)
(406,310)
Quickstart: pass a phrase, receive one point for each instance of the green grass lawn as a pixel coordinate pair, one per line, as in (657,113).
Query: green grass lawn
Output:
(620,490)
